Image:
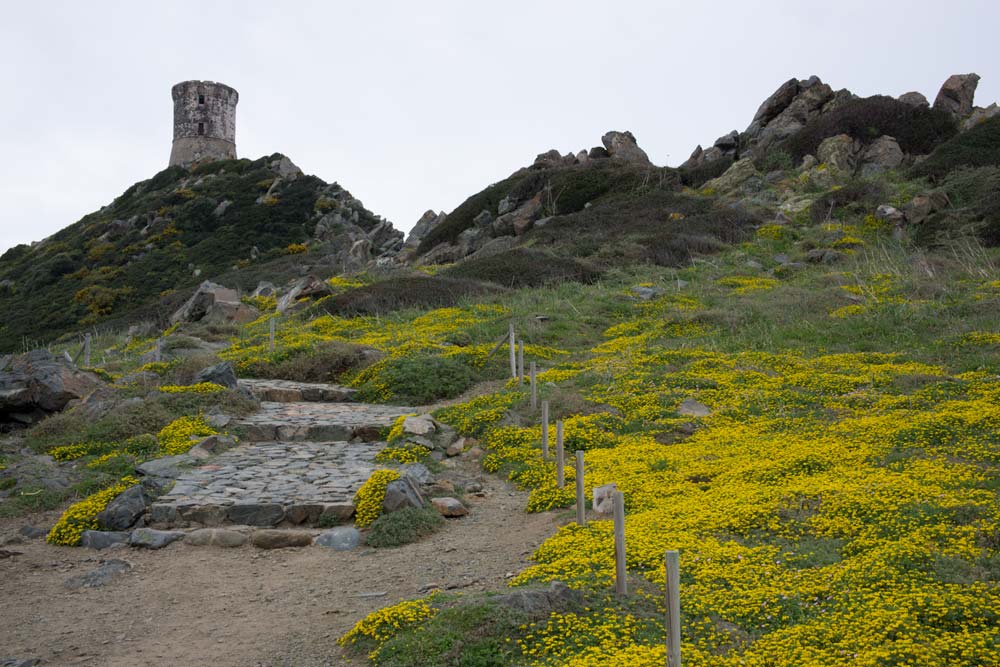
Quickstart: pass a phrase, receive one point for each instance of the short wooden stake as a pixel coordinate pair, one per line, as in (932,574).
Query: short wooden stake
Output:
(581,507)
(520,363)
(534,385)
(560,463)
(86,351)
(673,601)
(621,582)
(272,335)
(513,351)
(158,350)
(545,429)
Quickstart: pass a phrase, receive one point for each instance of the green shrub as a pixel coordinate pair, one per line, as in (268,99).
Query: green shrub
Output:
(524,267)
(775,160)
(461,218)
(421,378)
(398,293)
(978,147)
(695,177)
(918,130)
(327,362)
(860,195)
(393,529)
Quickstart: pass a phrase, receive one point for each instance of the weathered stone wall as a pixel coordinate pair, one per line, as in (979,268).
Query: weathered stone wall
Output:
(204,122)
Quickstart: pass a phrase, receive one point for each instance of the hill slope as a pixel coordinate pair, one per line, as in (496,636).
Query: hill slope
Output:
(171,232)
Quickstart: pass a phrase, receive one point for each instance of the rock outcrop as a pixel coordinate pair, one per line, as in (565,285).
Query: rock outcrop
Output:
(214,303)
(38,383)
(956,95)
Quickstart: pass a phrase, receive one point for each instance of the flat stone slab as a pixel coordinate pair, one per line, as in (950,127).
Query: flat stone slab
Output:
(270,483)
(287,391)
(316,422)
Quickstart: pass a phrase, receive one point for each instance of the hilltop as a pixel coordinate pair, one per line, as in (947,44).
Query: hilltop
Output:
(138,257)
(785,353)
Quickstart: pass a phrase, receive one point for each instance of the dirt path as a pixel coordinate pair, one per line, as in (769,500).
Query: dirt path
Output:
(185,606)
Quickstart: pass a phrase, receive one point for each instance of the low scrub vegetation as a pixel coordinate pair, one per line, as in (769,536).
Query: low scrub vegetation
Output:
(524,267)
(404,526)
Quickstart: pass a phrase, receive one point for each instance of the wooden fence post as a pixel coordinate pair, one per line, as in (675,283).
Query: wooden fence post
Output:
(520,363)
(272,334)
(621,574)
(673,601)
(513,351)
(86,350)
(560,456)
(581,507)
(545,429)
(534,385)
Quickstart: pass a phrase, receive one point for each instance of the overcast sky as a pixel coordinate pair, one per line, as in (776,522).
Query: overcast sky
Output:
(417,105)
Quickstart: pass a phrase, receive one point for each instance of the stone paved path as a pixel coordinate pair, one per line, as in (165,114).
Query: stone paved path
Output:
(286,391)
(317,422)
(298,461)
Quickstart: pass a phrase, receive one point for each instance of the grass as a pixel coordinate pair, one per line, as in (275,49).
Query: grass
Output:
(394,529)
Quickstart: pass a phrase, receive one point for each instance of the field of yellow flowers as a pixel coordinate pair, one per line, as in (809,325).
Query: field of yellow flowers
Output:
(837,506)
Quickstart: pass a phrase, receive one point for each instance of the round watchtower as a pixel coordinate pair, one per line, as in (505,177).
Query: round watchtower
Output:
(204,122)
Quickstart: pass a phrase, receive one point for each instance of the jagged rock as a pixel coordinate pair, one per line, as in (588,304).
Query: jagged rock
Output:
(980,115)
(285,168)
(221,209)
(728,143)
(341,538)
(921,207)
(361,251)
(215,303)
(777,102)
(697,157)
(808,162)
(622,146)
(37,383)
(99,539)
(598,153)
(838,152)
(541,602)
(425,225)
(956,94)
(883,153)
(890,214)
(914,99)
(734,178)
(420,473)
(449,507)
(519,221)
(308,287)
(126,508)
(647,293)
(213,444)
(101,576)
(548,159)
(221,374)
(264,288)
(165,467)
(385,238)
(401,493)
(280,539)
(148,538)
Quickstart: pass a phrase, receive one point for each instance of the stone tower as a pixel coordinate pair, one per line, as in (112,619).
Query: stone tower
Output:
(204,122)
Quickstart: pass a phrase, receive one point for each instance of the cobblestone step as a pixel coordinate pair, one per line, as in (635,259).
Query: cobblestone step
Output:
(287,391)
(269,484)
(317,422)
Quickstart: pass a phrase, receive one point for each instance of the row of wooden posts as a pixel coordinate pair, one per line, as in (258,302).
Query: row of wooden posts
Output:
(671,558)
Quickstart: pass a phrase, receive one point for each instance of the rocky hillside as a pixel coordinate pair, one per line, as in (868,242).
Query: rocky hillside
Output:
(140,255)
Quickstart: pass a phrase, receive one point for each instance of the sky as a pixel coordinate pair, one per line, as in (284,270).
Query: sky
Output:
(418,105)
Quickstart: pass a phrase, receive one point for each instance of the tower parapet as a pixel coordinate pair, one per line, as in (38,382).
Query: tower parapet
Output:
(204,122)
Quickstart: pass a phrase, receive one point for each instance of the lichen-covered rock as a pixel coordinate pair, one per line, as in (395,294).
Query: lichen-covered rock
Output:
(734,178)
(956,95)
(38,383)
(838,152)
(123,512)
(623,146)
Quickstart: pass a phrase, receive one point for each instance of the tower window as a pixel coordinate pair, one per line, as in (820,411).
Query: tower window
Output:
(201,99)
(201,128)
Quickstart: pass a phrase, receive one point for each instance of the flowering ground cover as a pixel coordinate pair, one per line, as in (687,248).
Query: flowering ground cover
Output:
(838,504)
